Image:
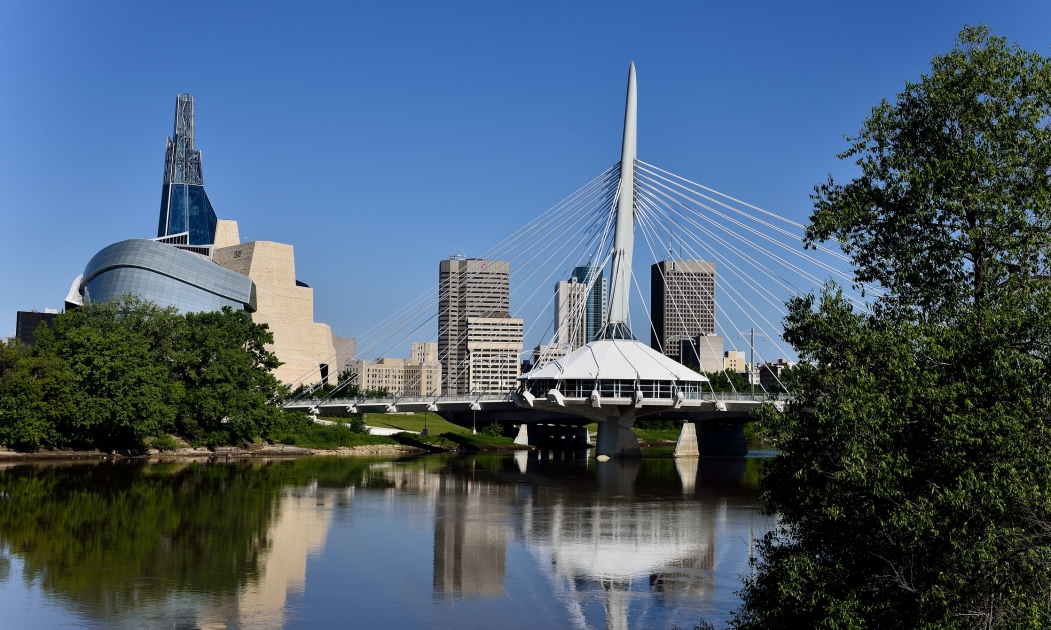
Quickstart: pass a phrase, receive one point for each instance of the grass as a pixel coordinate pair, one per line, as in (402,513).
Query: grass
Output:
(309,434)
(656,436)
(435,423)
(458,440)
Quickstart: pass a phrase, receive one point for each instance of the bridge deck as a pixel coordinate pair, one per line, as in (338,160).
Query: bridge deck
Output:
(508,403)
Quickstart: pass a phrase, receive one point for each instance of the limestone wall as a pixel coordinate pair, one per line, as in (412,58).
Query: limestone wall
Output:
(300,343)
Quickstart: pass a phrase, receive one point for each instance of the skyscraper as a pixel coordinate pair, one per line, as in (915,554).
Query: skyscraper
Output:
(682,303)
(595,308)
(570,313)
(187,217)
(469,289)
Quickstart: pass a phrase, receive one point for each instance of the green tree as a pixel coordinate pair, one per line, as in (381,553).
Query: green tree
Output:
(225,367)
(915,469)
(36,397)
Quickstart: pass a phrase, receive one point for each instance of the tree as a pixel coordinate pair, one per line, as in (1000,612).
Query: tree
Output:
(225,367)
(36,397)
(915,469)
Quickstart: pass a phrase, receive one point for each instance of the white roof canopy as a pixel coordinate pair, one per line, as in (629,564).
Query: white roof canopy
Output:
(609,359)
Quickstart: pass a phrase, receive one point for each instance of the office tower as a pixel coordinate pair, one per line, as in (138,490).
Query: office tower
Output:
(703,351)
(467,288)
(682,303)
(595,308)
(426,352)
(493,347)
(571,313)
(186,217)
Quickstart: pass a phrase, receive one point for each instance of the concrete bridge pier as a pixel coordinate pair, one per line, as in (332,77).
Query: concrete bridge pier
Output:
(616,439)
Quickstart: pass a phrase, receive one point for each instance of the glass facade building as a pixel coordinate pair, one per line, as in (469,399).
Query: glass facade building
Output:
(165,275)
(595,307)
(185,208)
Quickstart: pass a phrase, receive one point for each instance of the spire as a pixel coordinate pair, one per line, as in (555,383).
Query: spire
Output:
(624,237)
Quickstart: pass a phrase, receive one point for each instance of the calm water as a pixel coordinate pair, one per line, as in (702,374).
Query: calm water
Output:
(505,541)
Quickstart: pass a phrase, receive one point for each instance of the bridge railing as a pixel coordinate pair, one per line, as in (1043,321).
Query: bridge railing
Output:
(717,396)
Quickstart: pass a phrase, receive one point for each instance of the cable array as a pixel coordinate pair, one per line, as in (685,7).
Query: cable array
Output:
(759,258)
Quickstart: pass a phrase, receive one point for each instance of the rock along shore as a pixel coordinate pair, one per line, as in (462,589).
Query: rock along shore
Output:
(269,450)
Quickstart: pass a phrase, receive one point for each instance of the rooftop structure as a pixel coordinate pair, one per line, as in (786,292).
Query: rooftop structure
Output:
(186,216)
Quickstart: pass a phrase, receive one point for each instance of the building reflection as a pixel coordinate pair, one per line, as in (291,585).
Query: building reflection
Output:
(470,539)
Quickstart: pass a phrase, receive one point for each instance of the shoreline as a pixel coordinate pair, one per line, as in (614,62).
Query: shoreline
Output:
(224,452)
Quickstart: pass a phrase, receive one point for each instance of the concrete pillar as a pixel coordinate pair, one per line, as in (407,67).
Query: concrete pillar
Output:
(687,444)
(523,435)
(616,439)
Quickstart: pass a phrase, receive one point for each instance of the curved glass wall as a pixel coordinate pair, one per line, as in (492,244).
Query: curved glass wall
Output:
(166,276)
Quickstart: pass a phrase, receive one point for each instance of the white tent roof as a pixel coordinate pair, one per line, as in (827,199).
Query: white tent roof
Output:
(615,359)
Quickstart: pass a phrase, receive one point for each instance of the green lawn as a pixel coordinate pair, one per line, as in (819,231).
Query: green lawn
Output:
(311,435)
(435,423)
(655,436)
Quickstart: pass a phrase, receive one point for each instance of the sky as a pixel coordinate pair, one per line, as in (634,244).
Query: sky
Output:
(379,138)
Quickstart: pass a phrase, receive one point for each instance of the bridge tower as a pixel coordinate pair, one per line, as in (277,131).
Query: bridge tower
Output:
(614,378)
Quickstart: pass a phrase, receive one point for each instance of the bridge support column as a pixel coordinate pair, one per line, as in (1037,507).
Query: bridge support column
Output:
(616,439)
(687,444)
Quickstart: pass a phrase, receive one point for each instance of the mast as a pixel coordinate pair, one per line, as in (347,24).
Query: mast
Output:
(624,237)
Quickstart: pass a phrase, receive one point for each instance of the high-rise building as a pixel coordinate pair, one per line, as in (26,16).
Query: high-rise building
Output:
(682,303)
(570,313)
(705,352)
(467,288)
(186,217)
(493,347)
(595,307)
(426,352)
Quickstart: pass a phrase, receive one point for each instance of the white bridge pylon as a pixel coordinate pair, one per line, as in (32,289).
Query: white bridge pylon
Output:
(614,378)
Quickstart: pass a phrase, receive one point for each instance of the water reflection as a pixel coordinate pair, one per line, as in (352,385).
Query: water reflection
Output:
(522,540)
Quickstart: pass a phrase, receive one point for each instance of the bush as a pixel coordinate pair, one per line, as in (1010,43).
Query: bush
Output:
(493,429)
(357,424)
(165,443)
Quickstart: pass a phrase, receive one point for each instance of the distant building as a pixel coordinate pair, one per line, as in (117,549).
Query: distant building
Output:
(426,352)
(770,373)
(704,351)
(570,313)
(682,303)
(580,311)
(345,350)
(734,361)
(546,353)
(26,323)
(400,377)
(467,289)
(493,347)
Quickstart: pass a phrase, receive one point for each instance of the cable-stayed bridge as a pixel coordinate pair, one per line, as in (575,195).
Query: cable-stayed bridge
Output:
(609,376)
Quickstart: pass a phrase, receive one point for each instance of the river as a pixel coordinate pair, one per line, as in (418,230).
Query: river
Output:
(511,540)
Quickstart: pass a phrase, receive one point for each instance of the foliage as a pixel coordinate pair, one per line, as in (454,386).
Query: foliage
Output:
(915,469)
(493,429)
(357,424)
(727,381)
(111,375)
(226,371)
(165,443)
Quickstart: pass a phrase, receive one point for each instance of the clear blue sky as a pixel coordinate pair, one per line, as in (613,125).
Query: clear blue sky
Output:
(378,138)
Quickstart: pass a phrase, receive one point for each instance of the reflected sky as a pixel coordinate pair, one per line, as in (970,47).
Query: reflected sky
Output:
(512,540)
